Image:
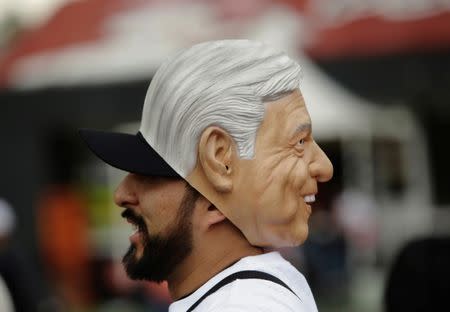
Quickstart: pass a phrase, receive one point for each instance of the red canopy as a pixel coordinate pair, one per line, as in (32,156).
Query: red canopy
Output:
(331,32)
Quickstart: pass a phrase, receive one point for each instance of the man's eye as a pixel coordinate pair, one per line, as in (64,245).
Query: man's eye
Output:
(301,142)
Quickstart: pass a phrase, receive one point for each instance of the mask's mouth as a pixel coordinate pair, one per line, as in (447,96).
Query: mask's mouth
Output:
(309,199)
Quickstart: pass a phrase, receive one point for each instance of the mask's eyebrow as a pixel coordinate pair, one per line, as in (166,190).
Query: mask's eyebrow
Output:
(304,127)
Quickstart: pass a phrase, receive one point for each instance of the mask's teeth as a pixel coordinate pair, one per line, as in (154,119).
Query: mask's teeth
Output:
(310,198)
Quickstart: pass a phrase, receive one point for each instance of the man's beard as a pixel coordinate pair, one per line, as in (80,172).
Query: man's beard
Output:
(162,253)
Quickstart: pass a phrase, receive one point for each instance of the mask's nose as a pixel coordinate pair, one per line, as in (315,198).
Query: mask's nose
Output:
(321,167)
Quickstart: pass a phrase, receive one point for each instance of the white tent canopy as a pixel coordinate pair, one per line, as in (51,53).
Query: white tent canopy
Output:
(126,52)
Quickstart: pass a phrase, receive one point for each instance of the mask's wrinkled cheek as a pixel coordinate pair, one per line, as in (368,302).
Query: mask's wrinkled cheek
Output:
(294,177)
(298,175)
(272,184)
(264,175)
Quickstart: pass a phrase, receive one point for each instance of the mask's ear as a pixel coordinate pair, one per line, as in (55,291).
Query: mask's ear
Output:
(215,155)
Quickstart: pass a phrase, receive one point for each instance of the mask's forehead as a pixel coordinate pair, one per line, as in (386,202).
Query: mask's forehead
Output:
(283,116)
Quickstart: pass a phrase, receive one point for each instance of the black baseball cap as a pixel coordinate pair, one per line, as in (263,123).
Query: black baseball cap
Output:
(128,152)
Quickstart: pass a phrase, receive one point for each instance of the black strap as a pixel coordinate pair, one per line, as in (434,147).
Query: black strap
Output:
(241,275)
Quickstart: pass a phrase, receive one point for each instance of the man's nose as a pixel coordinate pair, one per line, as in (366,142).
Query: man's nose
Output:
(124,195)
(321,167)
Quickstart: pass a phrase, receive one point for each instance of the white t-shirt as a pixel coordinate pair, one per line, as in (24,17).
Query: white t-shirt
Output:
(254,294)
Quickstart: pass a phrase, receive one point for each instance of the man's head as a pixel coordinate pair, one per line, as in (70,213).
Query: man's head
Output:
(160,210)
(225,116)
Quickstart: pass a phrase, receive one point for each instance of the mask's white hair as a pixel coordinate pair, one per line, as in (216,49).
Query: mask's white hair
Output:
(221,83)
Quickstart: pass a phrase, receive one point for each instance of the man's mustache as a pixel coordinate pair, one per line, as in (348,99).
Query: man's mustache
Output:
(131,216)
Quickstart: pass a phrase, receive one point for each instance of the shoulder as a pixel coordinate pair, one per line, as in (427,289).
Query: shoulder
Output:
(253,295)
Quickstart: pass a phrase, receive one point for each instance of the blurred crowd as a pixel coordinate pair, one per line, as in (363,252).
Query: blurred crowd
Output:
(71,276)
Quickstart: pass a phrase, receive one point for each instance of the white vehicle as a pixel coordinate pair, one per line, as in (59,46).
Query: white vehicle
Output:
(383,152)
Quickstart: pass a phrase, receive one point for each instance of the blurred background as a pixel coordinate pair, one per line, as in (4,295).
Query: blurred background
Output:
(377,85)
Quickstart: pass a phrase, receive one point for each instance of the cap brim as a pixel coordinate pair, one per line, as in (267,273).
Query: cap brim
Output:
(127,152)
